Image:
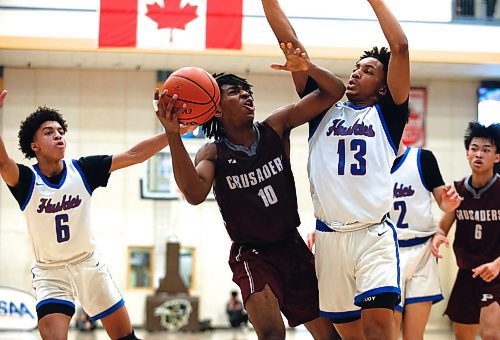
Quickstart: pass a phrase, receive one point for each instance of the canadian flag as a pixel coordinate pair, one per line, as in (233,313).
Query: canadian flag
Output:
(171,24)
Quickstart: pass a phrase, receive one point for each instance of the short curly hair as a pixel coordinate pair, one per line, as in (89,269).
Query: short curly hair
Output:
(32,123)
(383,55)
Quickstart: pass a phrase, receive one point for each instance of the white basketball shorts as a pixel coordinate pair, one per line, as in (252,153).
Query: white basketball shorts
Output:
(353,266)
(419,273)
(88,280)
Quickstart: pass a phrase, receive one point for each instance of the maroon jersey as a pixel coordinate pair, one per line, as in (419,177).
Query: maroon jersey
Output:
(256,190)
(477,238)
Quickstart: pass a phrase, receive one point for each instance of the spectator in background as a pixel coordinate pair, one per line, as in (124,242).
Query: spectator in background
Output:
(235,311)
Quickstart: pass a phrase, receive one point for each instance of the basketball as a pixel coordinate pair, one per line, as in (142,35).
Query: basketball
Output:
(196,88)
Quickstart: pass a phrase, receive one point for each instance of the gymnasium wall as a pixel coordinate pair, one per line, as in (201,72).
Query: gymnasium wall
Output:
(109,111)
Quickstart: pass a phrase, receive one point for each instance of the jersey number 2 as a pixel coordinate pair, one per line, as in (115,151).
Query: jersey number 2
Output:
(358,145)
(401,205)
(62,229)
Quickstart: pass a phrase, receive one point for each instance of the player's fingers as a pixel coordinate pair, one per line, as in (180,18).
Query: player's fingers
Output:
(278,67)
(170,105)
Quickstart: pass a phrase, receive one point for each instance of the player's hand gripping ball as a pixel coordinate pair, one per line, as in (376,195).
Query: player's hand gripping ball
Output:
(196,88)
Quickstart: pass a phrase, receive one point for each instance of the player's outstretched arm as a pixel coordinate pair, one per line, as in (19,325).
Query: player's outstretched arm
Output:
(8,168)
(284,32)
(143,150)
(194,182)
(398,74)
(330,90)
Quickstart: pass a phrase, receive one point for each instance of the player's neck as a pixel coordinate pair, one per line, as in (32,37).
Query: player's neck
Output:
(480,179)
(402,148)
(50,167)
(245,136)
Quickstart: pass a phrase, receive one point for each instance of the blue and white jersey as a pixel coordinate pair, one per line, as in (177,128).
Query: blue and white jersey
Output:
(350,158)
(58,216)
(411,211)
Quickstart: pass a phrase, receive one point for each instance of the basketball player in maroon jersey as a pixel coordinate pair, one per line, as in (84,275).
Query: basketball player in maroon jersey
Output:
(474,301)
(249,169)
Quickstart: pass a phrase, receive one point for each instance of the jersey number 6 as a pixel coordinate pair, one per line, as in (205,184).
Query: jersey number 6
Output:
(62,229)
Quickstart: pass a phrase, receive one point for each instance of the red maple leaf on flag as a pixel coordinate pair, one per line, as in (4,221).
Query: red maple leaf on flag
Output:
(171,15)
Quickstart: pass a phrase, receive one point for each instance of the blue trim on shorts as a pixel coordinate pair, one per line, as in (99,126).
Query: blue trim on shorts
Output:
(395,235)
(59,301)
(386,289)
(413,241)
(399,308)
(341,315)
(322,226)
(433,298)
(108,311)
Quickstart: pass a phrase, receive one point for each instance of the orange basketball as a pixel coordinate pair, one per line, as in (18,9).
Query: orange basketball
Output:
(196,88)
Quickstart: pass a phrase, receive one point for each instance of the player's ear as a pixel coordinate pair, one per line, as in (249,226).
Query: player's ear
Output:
(383,91)
(35,147)
(218,113)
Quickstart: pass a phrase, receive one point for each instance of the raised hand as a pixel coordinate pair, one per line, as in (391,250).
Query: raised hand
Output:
(437,240)
(296,59)
(450,198)
(2,97)
(167,113)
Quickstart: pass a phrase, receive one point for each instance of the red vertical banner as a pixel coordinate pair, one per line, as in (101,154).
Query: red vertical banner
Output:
(224,24)
(118,23)
(414,132)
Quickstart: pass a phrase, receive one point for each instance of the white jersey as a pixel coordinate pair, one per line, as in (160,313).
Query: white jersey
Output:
(58,217)
(350,160)
(411,211)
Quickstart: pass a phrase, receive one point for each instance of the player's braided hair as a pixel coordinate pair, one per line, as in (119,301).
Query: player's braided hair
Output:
(478,130)
(383,55)
(213,128)
(31,124)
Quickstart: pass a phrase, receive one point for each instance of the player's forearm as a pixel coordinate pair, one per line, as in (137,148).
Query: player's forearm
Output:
(391,28)
(139,153)
(185,174)
(148,147)
(328,83)
(285,33)
(446,222)
(8,168)
(279,23)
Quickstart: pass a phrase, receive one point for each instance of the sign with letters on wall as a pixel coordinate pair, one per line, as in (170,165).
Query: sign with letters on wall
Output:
(17,310)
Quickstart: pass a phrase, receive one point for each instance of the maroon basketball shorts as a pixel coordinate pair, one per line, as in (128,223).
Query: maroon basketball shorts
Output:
(469,295)
(287,267)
